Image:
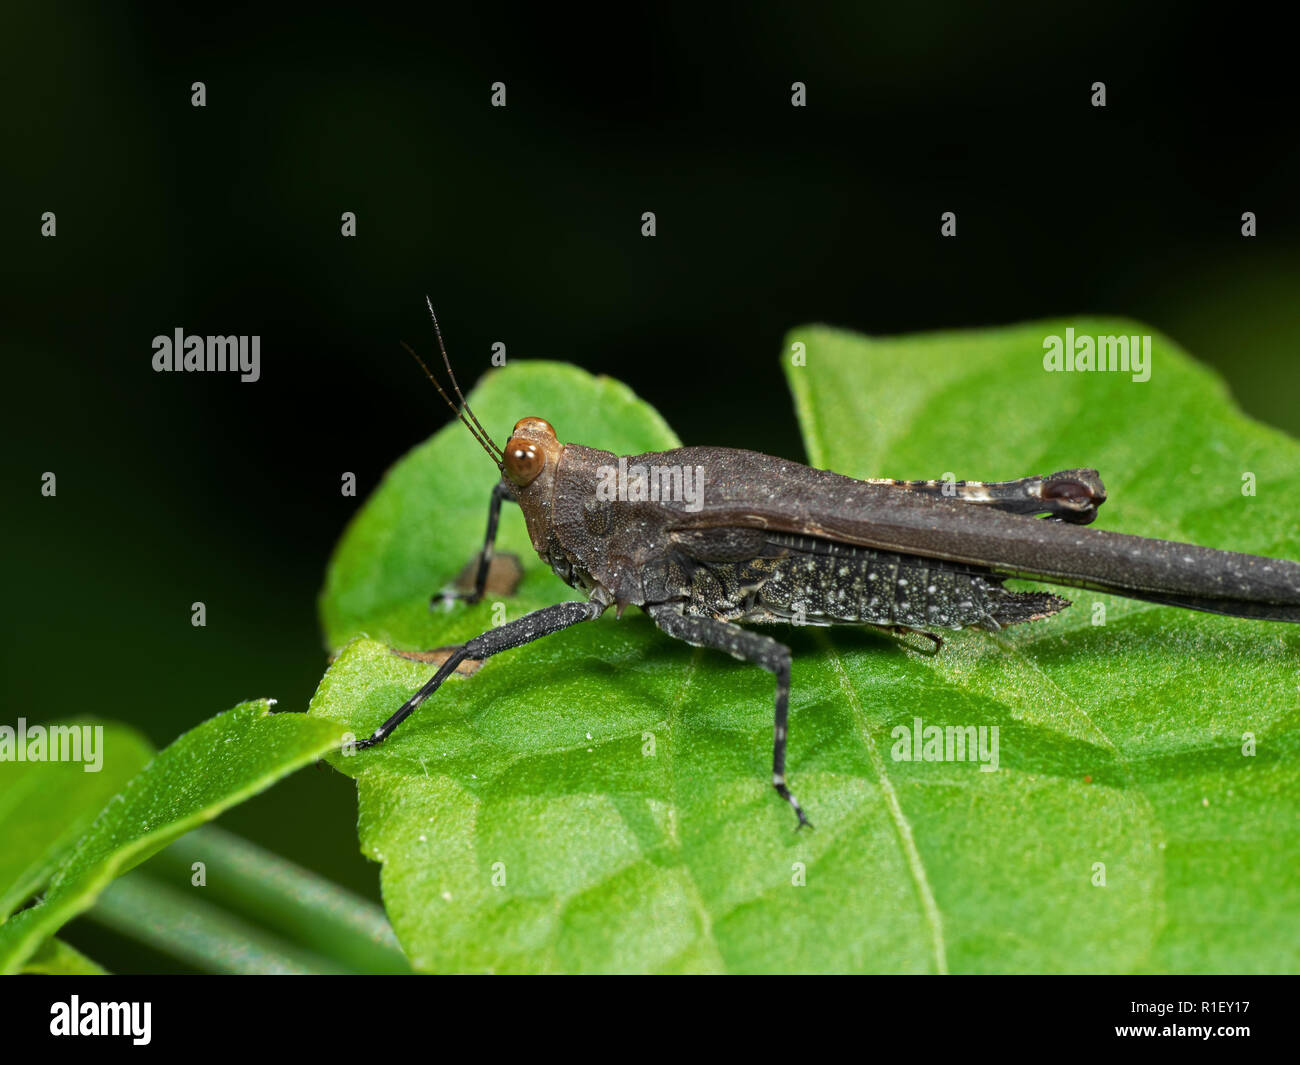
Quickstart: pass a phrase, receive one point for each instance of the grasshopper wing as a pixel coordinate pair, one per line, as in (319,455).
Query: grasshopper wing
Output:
(749,490)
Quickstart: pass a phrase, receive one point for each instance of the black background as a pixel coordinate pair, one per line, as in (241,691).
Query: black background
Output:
(523,224)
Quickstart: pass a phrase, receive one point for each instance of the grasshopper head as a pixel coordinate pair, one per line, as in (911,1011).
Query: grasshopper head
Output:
(529,462)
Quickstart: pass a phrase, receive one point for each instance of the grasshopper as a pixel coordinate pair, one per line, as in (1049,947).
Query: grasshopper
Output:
(765,540)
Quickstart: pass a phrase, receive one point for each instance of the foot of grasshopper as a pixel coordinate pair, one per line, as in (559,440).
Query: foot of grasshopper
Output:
(750,647)
(530,627)
(487,571)
(934,637)
(500,577)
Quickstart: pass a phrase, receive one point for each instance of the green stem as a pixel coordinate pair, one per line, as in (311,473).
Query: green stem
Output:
(183,926)
(297,904)
(57,958)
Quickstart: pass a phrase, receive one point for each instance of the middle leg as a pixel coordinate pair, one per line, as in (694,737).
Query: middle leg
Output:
(748,647)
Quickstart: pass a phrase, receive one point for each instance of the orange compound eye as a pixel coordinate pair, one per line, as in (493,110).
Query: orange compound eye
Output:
(523,461)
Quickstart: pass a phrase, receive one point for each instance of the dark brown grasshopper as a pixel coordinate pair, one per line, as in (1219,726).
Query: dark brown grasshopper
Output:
(726,537)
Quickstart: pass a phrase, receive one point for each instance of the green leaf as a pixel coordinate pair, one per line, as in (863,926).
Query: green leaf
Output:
(1121,743)
(600,800)
(207,770)
(56,958)
(45,806)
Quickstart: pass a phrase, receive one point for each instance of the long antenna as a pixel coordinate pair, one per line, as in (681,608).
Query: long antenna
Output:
(454,409)
(452,374)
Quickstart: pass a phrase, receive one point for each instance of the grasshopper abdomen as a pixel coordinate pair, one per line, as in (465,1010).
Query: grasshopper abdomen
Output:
(805,581)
